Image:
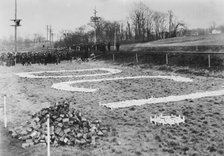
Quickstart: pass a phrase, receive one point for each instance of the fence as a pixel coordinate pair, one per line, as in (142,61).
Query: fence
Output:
(167,57)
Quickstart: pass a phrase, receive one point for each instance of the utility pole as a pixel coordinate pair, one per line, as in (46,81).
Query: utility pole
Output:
(115,37)
(50,35)
(95,19)
(47,36)
(15,27)
(95,24)
(52,39)
(17,24)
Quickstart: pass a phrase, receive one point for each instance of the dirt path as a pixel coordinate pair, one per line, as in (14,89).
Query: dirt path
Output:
(18,110)
(8,146)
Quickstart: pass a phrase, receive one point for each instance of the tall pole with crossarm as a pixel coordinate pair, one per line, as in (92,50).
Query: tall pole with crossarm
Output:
(95,20)
(17,24)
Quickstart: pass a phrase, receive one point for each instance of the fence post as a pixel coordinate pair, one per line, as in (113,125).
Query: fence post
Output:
(5,115)
(196,48)
(136,57)
(209,60)
(113,58)
(167,61)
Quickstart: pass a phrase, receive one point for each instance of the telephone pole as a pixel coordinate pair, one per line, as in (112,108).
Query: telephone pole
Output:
(50,35)
(47,36)
(52,39)
(95,24)
(17,24)
(115,36)
(15,27)
(95,19)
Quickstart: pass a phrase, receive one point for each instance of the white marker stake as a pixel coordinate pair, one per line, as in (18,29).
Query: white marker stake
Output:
(5,117)
(48,135)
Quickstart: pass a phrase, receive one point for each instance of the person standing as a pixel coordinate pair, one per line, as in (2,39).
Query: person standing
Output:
(117,46)
(108,46)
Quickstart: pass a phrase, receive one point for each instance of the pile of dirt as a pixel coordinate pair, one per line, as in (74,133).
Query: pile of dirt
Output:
(67,127)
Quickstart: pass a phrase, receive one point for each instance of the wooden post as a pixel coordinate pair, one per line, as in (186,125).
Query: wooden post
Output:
(5,115)
(209,61)
(113,58)
(136,57)
(48,135)
(196,48)
(167,61)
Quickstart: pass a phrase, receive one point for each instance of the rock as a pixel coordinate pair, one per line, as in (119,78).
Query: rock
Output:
(61,133)
(36,141)
(67,126)
(79,135)
(25,145)
(57,130)
(60,125)
(59,119)
(23,132)
(65,120)
(29,129)
(12,132)
(93,142)
(100,133)
(36,119)
(29,141)
(66,140)
(33,134)
(61,139)
(42,141)
(67,130)
(41,145)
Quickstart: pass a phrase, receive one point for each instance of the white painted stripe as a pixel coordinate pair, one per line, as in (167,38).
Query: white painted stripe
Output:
(67,85)
(129,103)
(31,74)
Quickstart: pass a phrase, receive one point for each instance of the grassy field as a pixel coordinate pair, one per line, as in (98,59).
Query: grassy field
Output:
(212,40)
(133,134)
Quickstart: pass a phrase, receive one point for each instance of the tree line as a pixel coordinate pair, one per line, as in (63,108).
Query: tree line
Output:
(142,25)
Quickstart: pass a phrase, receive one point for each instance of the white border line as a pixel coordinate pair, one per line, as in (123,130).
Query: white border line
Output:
(129,103)
(67,85)
(31,74)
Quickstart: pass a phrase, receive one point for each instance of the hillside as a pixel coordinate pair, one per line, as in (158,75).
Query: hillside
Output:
(186,41)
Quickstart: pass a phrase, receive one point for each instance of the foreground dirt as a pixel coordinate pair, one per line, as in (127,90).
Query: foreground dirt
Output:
(132,133)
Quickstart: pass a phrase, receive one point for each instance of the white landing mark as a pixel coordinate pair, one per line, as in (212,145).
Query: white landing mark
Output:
(67,85)
(167,119)
(32,74)
(129,103)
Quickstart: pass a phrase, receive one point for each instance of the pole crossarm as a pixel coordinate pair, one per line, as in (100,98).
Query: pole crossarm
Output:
(17,24)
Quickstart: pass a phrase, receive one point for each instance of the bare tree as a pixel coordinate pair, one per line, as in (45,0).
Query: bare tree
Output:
(212,26)
(149,22)
(138,18)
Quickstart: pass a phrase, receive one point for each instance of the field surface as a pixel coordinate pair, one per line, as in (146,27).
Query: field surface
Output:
(132,133)
(186,41)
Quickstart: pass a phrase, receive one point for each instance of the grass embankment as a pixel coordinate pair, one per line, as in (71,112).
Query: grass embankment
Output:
(212,42)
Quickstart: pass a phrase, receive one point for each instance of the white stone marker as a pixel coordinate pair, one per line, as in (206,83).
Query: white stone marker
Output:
(5,115)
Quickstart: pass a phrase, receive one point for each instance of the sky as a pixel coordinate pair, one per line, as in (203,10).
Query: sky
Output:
(70,14)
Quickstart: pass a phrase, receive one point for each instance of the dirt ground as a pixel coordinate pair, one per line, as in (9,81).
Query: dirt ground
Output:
(131,134)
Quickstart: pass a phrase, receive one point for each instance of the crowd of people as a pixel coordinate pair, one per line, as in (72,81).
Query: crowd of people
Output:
(55,55)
